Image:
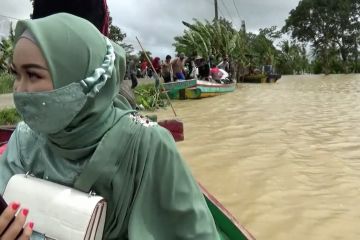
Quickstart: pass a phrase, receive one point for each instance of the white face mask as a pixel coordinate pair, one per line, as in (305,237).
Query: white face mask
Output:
(50,112)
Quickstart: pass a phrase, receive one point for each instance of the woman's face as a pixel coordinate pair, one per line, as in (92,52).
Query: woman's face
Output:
(30,68)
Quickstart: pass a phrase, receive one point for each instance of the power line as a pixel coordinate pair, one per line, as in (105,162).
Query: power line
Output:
(236,9)
(1,15)
(227,10)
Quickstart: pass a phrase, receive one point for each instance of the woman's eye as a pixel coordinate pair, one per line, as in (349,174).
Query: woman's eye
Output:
(33,76)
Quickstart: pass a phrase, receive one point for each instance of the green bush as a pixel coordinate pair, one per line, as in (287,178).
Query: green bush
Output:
(6,82)
(147,96)
(9,116)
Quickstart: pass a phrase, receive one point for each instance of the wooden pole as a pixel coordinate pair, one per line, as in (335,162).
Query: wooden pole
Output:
(156,76)
(216,10)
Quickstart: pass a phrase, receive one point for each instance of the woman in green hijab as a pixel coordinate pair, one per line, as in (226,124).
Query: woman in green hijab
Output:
(79,133)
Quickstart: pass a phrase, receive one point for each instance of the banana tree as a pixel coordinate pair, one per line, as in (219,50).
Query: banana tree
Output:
(6,50)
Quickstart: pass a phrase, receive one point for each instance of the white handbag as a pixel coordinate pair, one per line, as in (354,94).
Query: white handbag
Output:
(58,212)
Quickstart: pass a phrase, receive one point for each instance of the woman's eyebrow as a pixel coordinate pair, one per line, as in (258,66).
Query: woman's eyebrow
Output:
(29,65)
(32,65)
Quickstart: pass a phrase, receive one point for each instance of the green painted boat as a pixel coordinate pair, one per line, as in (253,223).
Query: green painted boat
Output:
(202,89)
(178,85)
(227,225)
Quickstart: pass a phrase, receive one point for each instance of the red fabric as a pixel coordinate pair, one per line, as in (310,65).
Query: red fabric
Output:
(143,65)
(156,64)
(105,27)
(2,149)
(175,127)
(215,73)
(215,70)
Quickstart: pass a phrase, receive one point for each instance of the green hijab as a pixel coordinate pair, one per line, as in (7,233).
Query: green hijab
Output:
(108,148)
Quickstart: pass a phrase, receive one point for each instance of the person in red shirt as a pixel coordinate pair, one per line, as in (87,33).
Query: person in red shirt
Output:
(215,73)
(157,65)
(143,68)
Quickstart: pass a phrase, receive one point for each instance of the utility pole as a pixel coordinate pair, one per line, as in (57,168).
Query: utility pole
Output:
(216,10)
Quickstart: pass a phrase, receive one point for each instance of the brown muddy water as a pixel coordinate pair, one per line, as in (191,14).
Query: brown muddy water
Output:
(284,158)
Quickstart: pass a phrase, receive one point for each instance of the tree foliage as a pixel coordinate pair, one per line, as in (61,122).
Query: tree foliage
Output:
(6,50)
(331,26)
(116,35)
(210,39)
(219,38)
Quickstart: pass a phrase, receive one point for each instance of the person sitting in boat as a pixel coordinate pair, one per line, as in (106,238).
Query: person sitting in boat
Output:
(178,67)
(67,79)
(95,11)
(215,73)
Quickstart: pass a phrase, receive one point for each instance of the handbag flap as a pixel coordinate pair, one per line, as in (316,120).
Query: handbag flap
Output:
(58,211)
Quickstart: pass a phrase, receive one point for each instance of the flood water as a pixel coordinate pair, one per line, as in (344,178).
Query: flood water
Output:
(284,158)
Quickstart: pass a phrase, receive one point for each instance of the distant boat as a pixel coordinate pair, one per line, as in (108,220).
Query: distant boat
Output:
(201,89)
(267,75)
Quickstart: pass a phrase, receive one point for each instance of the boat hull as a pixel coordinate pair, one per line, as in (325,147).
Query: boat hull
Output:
(202,89)
(227,225)
(178,85)
(261,78)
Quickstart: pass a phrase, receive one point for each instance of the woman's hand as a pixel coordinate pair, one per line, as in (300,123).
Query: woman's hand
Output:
(16,225)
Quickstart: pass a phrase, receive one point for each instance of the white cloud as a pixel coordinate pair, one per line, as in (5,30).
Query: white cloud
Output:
(157,22)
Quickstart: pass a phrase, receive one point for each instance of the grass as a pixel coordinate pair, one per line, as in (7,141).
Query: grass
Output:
(6,82)
(9,116)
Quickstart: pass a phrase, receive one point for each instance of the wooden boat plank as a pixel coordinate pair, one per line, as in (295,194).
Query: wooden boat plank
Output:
(178,85)
(224,220)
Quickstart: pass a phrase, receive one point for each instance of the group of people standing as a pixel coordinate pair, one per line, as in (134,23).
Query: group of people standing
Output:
(170,69)
(180,68)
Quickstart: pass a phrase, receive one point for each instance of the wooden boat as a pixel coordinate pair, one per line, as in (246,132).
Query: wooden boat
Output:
(266,75)
(202,89)
(227,225)
(178,85)
(261,78)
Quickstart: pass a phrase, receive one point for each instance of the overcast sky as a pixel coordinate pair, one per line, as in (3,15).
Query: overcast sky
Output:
(157,22)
